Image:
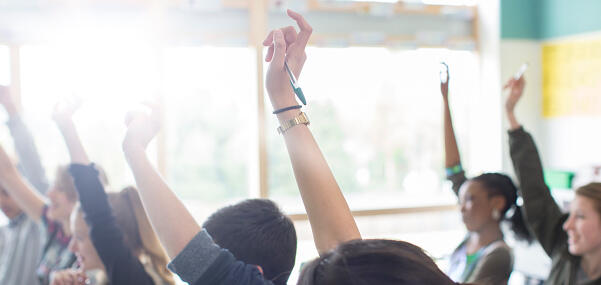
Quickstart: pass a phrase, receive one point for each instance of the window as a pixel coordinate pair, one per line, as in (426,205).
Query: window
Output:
(377,115)
(109,79)
(211,124)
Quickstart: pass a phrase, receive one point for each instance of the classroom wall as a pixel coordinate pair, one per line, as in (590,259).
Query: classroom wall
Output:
(567,140)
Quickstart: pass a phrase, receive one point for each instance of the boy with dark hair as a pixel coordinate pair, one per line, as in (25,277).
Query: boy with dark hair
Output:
(256,232)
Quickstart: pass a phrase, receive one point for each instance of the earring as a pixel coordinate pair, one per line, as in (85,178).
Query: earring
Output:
(496,214)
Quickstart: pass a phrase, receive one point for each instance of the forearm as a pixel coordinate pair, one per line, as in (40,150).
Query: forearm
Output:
(172,222)
(93,198)
(542,213)
(452,156)
(73,142)
(28,199)
(29,158)
(513,122)
(328,212)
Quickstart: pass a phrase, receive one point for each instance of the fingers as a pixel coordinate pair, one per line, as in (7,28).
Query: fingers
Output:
(305,29)
(279,54)
(290,36)
(268,42)
(149,111)
(509,84)
(269,55)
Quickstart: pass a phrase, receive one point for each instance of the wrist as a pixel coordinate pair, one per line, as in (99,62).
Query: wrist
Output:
(131,149)
(64,124)
(513,122)
(283,100)
(288,115)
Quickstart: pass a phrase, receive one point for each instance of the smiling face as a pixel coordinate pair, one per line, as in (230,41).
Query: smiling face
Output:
(583,227)
(60,206)
(81,243)
(62,196)
(477,206)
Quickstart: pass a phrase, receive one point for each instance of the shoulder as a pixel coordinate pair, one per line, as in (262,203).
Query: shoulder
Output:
(204,262)
(498,253)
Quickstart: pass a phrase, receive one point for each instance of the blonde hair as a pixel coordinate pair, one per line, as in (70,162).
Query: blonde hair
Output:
(63,181)
(593,192)
(138,233)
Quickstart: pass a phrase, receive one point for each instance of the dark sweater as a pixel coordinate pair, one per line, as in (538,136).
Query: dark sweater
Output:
(542,213)
(122,266)
(203,262)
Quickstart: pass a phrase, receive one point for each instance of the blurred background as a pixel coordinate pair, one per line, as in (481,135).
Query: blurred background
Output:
(372,84)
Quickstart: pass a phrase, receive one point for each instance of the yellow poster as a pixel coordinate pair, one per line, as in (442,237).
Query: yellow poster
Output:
(572,78)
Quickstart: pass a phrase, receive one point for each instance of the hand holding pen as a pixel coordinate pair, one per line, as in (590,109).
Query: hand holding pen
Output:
(286,55)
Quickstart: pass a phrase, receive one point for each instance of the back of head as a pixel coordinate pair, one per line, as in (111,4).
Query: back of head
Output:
(501,184)
(138,233)
(593,192)
(64,181)
(257,232)
(367,262)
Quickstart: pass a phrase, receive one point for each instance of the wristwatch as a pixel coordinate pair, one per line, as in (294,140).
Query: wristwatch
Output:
(300,119)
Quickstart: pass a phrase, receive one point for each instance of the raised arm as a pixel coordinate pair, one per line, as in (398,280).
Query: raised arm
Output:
(172,222)
(63,113)
(28,199)
(453,167)
(541,212)
(122,265)
(328,212)
(27,153)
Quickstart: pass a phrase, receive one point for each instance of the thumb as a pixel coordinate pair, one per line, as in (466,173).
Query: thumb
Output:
(279,53)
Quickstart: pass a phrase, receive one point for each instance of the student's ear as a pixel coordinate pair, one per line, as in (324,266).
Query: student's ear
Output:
(498,202)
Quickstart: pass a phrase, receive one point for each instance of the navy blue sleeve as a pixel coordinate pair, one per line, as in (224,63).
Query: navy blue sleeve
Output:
(204,262)
(122,266)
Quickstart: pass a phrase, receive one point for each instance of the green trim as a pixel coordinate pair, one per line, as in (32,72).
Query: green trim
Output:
(548,19)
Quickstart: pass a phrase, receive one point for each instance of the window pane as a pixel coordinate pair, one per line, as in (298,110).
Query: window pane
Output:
(109,79)
(377,115)
(211,124)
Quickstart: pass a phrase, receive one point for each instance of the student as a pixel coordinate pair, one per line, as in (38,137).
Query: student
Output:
(22,239)
(486,201)
(54,214)
(573,241)
(111,234)
(198,259)
(117,238)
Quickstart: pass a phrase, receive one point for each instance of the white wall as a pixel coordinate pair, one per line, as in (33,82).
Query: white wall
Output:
(565,143)
(529,111)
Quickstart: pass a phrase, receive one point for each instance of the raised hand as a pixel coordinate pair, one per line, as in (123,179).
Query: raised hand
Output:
(6,100)
(517,90)
(142,127)
(64,110)
(63,117)
(444,84)
(285,45)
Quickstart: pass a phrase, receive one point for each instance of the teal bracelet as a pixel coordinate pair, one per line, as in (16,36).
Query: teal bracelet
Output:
(453,170)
